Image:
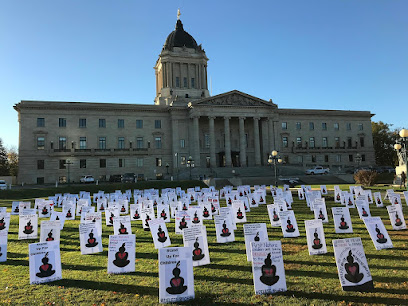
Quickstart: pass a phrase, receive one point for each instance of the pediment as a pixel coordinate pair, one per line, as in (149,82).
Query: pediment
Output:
(234,98)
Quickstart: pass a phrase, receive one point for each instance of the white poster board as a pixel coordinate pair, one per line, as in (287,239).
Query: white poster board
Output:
(159,232)
(122,225)
(254,232)
(224,229)
(50,231)
(352,266)
(378,233)
(288,224)
(28,226)
(316,241)
(196,238)
(396,217)
(90,238)
(121,254)
(176,279)
(267,267)
(45,262)
(342,220)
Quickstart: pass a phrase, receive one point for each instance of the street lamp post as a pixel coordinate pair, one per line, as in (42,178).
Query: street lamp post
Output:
(358,160)
(401,148)
(68,163)
(190,164)
(274,159)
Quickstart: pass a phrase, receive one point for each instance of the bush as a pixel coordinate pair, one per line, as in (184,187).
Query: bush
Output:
(365,177)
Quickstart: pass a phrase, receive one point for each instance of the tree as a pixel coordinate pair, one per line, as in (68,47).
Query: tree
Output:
(12,156)
(383,140)
(4,167)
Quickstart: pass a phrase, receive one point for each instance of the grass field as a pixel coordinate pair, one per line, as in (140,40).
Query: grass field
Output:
(227,280)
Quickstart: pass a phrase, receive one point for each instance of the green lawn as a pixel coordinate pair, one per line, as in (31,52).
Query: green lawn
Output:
(227,280)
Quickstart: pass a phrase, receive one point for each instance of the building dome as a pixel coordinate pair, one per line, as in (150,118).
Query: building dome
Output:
(179,38)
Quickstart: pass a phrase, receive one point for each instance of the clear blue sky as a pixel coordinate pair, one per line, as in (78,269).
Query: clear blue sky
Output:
(337,54)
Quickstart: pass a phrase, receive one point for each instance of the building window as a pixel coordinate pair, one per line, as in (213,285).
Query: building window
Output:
(324,142)
(62,179)
(82,123)
(338,158)
(183,160)
(360,127)
(102,123)
(299,142)
(207,140)
(336,126)
(313,158)
(157,124)
(362,142)
(40,122)
(62,143)
(158,142)
(185,82)
(121,162)
(286,159)
(177,82)
(158,162)
(324,126)
(192,82)
(40,143)
(182,143)
(284,125)
(40,164)
(311,126)
(246,141)
(350,157)
(300,159)
(139,161)
(337,142)
(349,142)
(298,125)
(348,126)
(363,157)
(121,123)
(82,163)
(40,180)
(62,122)
(311,142)
(326,158)
(139,124)
(121,142)
(62,164)
(102,143)
(139,142)
(102,163)
(82,143)
(285,142)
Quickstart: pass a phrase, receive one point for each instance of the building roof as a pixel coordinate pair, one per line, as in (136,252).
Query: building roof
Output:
(179,38)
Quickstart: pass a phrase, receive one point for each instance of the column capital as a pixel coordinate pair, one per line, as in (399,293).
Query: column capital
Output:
(227,118)
(194,116)
(242,118)
(212,117)
(257,118)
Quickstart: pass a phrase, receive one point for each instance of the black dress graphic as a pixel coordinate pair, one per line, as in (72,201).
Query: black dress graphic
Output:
(161,235)
(121,257)
(91,240)
(269,276)
(183,223)
(28,229)
(398,221)
(225,231)
(206,214)
(176,282)
(343,224)
(46,268)
(353,274)
(147,227)
(316,241)
(275,216)
(49,238)
(163,215)
(44,211)
(239,213)
(122,229)
(364,212)
(256,238)
(321,215)
(197,252)
(380,236)
(195,218)
(136,215)
(2,224)
(69,214)
(289,227)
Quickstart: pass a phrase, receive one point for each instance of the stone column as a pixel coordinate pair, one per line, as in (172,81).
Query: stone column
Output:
(242,142)
(213,162)
(271,135)
(265,142)
(227,142)
(196,141)
(256,141)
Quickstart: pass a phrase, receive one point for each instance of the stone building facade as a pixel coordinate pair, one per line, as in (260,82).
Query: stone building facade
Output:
(61,140)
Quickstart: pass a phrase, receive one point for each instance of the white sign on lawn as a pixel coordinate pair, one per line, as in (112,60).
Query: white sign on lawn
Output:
(45,262)
(122,253)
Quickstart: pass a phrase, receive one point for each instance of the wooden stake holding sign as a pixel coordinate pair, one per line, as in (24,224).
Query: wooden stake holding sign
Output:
(267,267)
(45,262)
(352,266)
(176,279)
